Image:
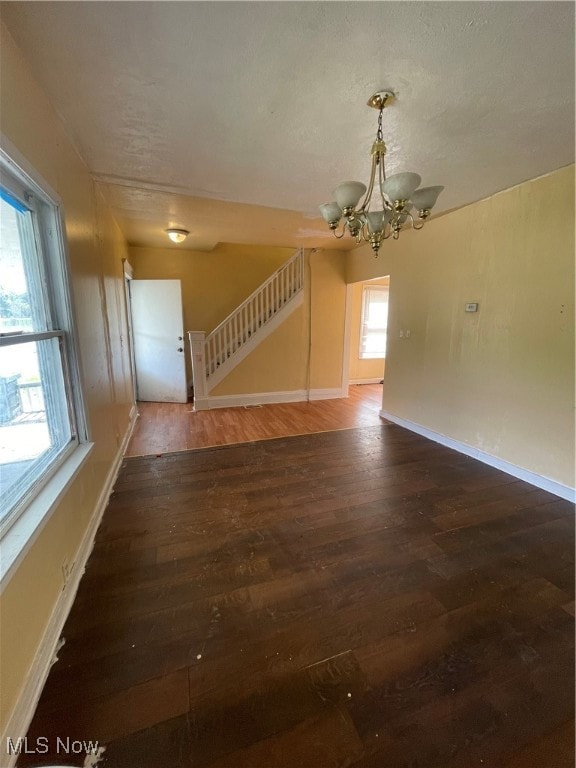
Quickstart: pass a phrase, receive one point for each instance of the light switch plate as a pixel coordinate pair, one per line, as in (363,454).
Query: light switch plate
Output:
(472,306)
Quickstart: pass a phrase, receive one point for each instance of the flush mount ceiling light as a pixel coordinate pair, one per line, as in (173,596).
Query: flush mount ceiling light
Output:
(399,194)
(177,235)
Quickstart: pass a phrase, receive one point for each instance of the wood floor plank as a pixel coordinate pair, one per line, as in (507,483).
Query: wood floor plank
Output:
(362,597)
(554,749)
(168,427)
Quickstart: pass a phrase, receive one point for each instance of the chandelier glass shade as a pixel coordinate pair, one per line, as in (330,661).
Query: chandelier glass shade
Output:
(396,197)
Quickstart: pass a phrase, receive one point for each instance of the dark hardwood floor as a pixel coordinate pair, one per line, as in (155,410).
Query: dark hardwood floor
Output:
(360,598)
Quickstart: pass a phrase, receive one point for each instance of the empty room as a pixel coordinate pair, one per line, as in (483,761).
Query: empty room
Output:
(287,466)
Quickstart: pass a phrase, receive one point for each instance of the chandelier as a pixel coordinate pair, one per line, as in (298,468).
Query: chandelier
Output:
(399,196)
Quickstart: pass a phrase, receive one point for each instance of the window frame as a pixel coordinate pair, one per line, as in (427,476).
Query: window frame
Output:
(365,302)
(27,187)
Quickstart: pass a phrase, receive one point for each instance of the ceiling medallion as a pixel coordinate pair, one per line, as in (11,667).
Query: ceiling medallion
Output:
(399,195)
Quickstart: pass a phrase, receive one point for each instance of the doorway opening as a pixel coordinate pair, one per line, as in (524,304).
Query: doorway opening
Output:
(367,332)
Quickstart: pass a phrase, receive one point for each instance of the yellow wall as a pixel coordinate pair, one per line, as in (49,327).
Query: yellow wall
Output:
(213,284)
(359,368)
(500,380)
(278,364)
(95,249)
(306,351)
(327,317)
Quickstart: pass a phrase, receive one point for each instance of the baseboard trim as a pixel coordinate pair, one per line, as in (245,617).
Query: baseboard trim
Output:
(377,380)
(328,394)
(546,483)
(23,712)
(266,398)
(256,398)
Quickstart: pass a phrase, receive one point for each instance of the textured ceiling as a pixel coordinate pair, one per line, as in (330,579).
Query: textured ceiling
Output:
(264,103)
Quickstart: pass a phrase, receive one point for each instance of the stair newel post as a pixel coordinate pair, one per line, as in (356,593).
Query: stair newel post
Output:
(197,355)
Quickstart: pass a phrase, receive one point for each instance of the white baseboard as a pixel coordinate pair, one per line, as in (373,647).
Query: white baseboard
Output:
(23,712)
(546,483)
(377,380)
(328,394)
(266,398)
(256,398)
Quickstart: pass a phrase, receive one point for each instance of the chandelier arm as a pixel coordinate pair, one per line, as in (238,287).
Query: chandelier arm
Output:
(377,160)
(381,179)
(341,235)
(414,224)
(366,201)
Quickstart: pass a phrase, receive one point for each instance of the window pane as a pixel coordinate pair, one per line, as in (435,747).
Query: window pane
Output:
(374,344)
(374,322)
(21,284)
(34,418)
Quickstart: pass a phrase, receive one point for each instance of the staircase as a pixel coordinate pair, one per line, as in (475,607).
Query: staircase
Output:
(215,355)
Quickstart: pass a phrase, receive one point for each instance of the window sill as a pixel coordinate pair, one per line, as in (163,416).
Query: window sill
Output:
(20,537)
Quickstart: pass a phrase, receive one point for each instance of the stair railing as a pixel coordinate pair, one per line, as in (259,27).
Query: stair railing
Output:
(258,309)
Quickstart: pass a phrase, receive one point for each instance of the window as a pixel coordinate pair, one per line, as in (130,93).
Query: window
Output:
(40,407)
(374,322)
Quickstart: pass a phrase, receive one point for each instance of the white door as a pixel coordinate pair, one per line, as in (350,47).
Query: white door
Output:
(158,334)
